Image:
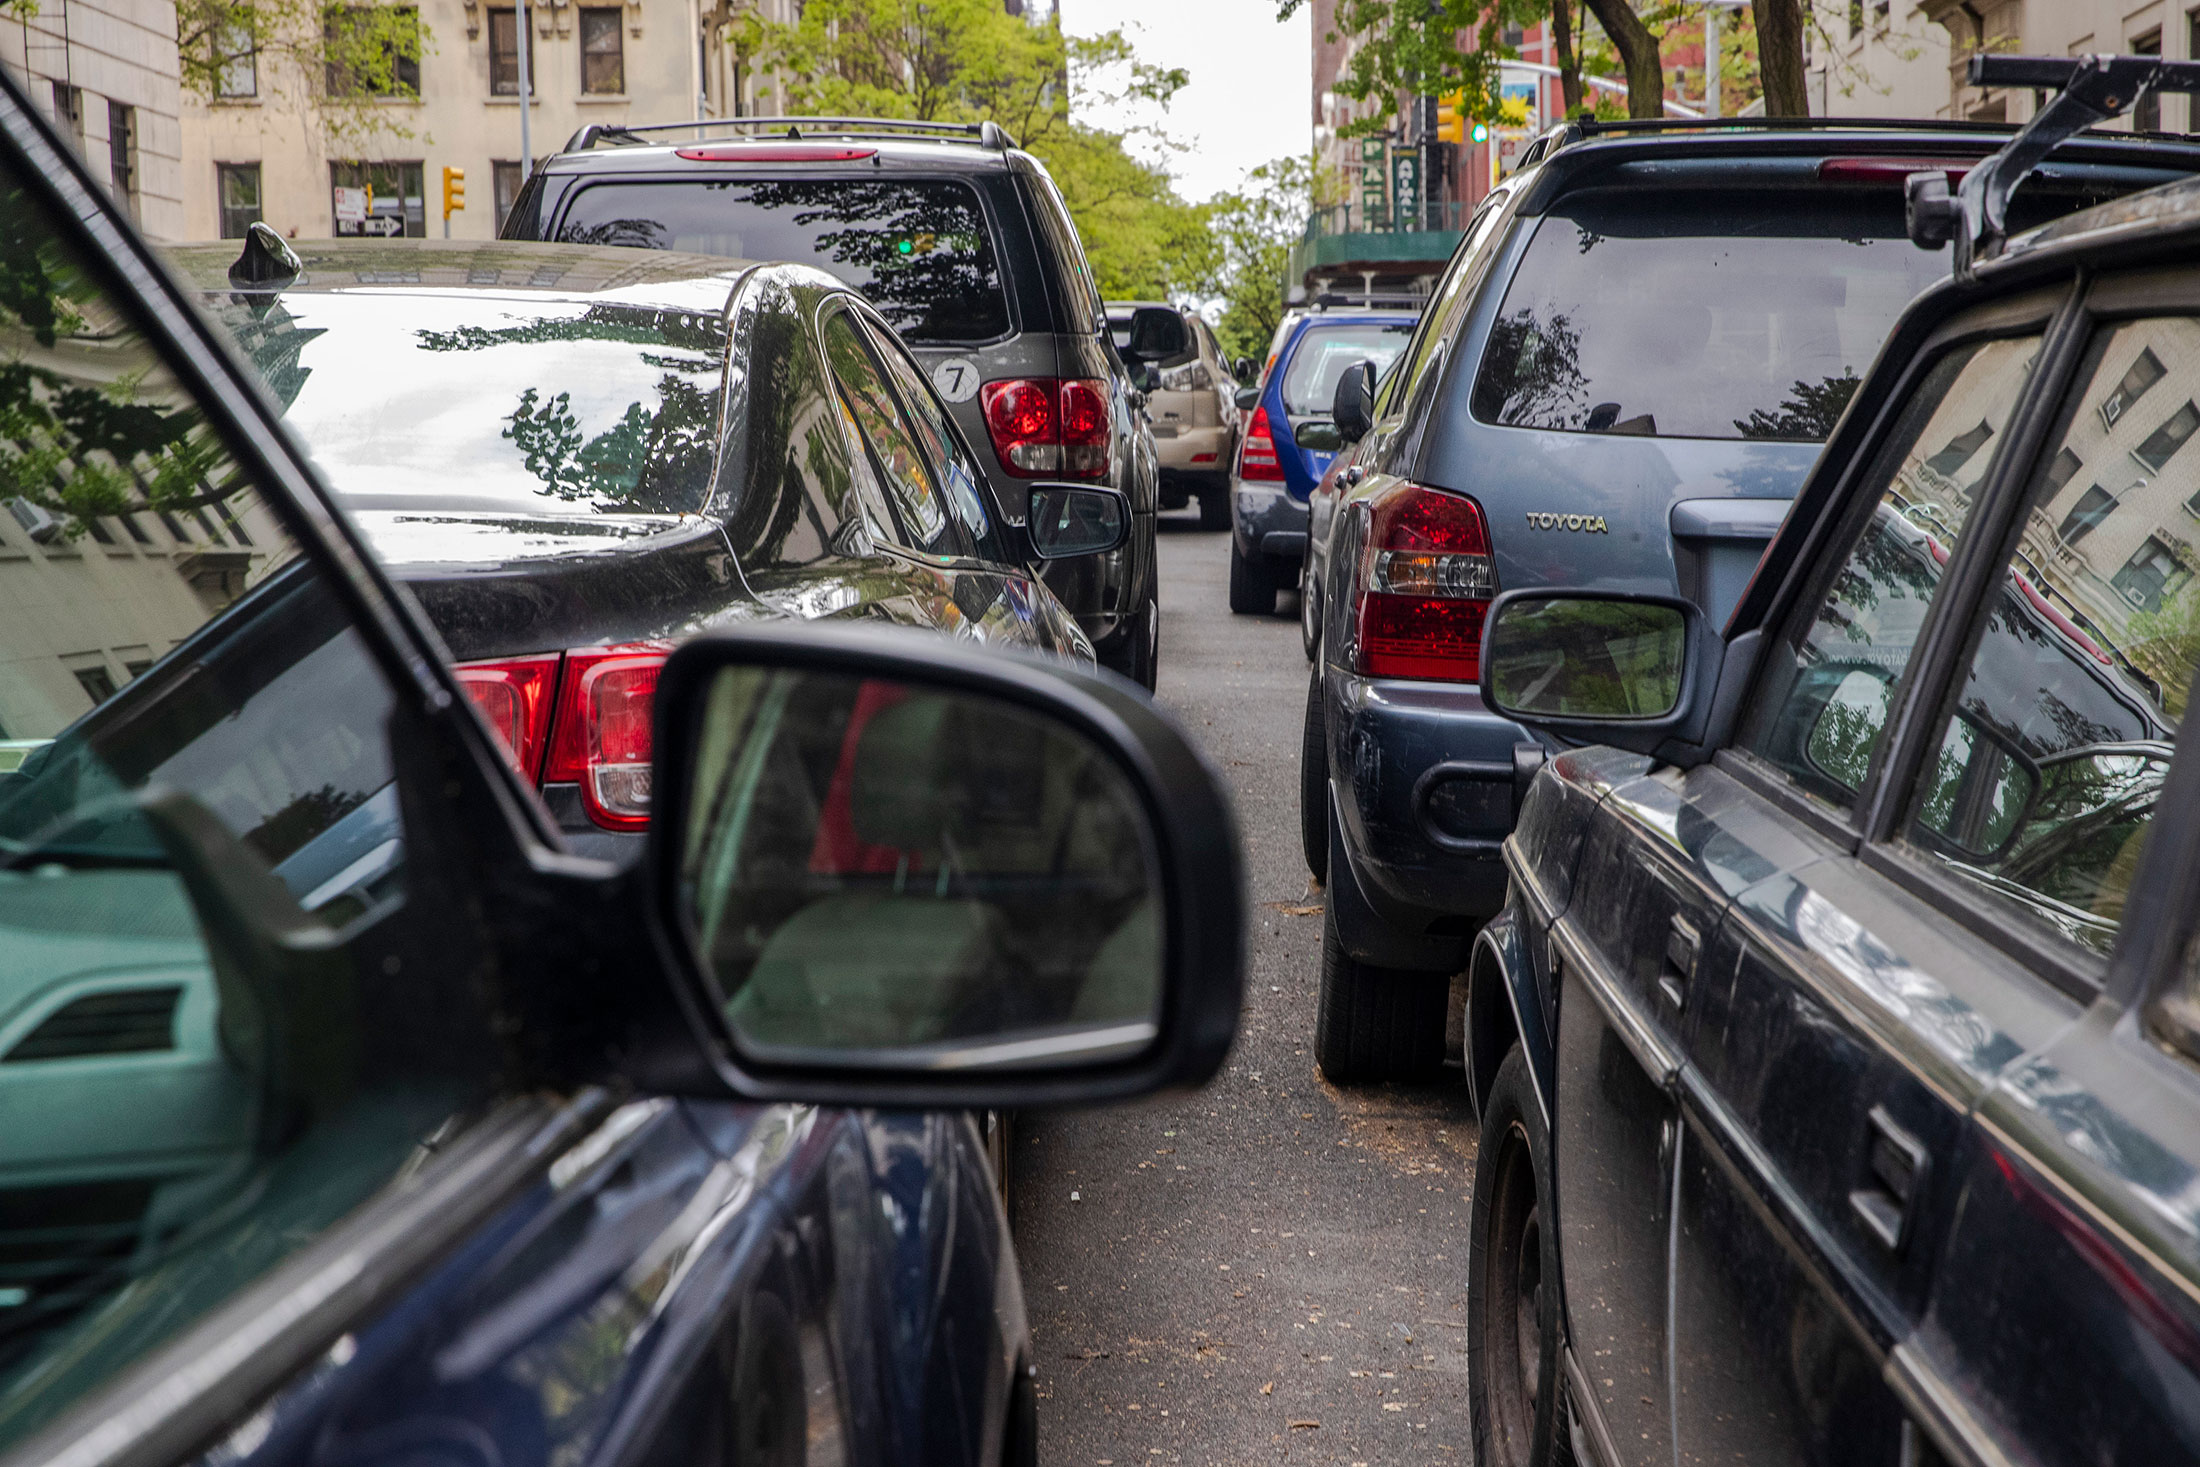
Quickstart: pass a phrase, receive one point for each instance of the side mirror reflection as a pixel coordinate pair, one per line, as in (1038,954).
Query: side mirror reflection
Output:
(1069,520)
(888,875)
(1585,657)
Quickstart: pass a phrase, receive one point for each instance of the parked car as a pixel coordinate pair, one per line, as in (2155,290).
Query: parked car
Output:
(577,457)
(961,240)
(347,1113)
(1191,399)
(1621,379)
(1291,438)
(1836,1050)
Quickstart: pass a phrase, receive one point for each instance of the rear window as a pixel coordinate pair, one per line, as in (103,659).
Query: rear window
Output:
(919,250)
(1736,315)
(1323,354)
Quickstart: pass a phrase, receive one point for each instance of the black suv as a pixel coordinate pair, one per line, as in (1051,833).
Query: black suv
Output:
(1621,379)
(1838,1051)
(962,243)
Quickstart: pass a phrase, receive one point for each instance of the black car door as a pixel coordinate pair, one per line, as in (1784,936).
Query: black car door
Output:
(1846,1025)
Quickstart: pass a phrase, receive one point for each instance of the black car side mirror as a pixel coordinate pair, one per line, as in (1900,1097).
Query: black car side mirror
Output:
(1248,396)
(1353,408)
(1638,672)
(1069,520)
(1245,370)
(890,868)
(1157,333)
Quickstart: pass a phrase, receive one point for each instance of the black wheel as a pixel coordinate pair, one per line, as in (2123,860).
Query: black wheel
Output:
(1310,609)
(1252,585)
(1513,1377)
(1314,782)
(1376,1023)
(1214,509)
(1136,653)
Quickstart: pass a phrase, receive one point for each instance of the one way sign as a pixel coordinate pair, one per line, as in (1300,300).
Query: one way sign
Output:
(383,224)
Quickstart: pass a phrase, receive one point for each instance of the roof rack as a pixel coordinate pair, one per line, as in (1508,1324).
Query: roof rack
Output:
(1585,129)
(988,134)
(2093,89)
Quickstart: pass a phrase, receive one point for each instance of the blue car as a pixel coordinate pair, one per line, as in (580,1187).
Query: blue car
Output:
(1289,442)
(349,1115)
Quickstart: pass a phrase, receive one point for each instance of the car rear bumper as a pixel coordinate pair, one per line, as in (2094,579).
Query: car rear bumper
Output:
(1266,521)
(1195,453)
(1425,791)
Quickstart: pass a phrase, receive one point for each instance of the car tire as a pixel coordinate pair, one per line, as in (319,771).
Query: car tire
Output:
(1214,509)
(1376,1023)
(1314,782)
(1515,1390)
(1252,585)
(1136,653)
(1310,609)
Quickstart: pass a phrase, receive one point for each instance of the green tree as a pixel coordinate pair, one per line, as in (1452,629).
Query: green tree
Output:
(1252,232)
(1411,48)
(970,61)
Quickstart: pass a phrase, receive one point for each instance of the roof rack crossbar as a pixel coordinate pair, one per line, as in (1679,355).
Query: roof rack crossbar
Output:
(2093,90)
(990,134)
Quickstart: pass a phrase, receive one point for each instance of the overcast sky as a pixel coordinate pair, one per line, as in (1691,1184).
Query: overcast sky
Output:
(1247,101)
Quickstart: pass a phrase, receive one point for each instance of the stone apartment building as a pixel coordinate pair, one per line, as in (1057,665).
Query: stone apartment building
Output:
(260,150)
(1906,58)
(105,71)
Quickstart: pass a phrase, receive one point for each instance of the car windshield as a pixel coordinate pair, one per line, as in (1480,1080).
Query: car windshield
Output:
(1694,316)
(919,251)
(1325,351)
(493,403)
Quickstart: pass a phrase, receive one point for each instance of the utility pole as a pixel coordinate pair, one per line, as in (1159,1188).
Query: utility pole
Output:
(526,92)
(1711,61)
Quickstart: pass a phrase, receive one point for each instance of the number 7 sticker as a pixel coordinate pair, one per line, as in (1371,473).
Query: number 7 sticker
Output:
(955,378)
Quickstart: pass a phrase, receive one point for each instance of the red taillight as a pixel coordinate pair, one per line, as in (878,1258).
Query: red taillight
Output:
(1422,586)
(1257,459)
(1891,170)
(601,737)
(513,694)
(775,153)
(1048,426)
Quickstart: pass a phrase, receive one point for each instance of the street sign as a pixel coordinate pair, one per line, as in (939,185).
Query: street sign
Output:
(387,225)
(1405,187)
(351,206)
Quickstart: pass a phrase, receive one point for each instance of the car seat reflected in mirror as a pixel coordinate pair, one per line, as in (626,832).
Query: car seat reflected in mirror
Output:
(1584,657)
(881,874)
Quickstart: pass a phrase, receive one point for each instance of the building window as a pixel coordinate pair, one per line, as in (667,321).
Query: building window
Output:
(504,35)
(390,194)
(1959,450)
(236,63)
(2146,112)
(2092,507)
(1856,18)
(2167,439)
(238,190)
(2061,471)
(505,179)
(68,112)
(603,51)
(2144,373)
(98,684)
(373,51)
(122,150)
(2151,576)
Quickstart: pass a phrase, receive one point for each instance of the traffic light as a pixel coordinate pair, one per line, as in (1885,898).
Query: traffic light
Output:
(1481,132)
(1451,118)
(454,192)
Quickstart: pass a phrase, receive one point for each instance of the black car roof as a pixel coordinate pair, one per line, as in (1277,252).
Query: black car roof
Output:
(662,278)
(1772,154)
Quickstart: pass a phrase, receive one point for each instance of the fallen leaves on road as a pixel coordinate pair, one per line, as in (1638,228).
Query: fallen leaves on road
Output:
(1309,1424)
(1268,1389)
(1290,910)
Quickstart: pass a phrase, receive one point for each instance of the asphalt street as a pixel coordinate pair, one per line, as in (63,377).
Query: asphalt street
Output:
(1273,1269)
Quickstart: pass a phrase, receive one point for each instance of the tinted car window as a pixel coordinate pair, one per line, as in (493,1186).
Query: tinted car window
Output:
(959,474)
(1828,685)
(1323,353)
(920,250)
(2051,757)
(504,404)
(198,745)
(1081,302)
(919,507)
(1736,315)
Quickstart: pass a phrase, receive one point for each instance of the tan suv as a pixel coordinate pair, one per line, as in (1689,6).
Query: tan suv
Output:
(1192,400)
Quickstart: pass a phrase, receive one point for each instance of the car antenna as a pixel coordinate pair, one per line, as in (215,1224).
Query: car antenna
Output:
(2092,89)
(267,260)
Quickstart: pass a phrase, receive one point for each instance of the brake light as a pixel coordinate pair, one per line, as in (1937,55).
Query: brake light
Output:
(1422,586)
(601,738)
(1257,459)
(1890,170)
(513,694)
(1043,426)
(775,153)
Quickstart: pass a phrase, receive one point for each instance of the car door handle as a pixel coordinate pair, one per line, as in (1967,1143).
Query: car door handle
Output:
(1895,1166)
(1682,946)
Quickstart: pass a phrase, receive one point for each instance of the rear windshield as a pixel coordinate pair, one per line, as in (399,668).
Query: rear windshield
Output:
(1323,354)
(494,404)
(1737,315)
(918,250)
